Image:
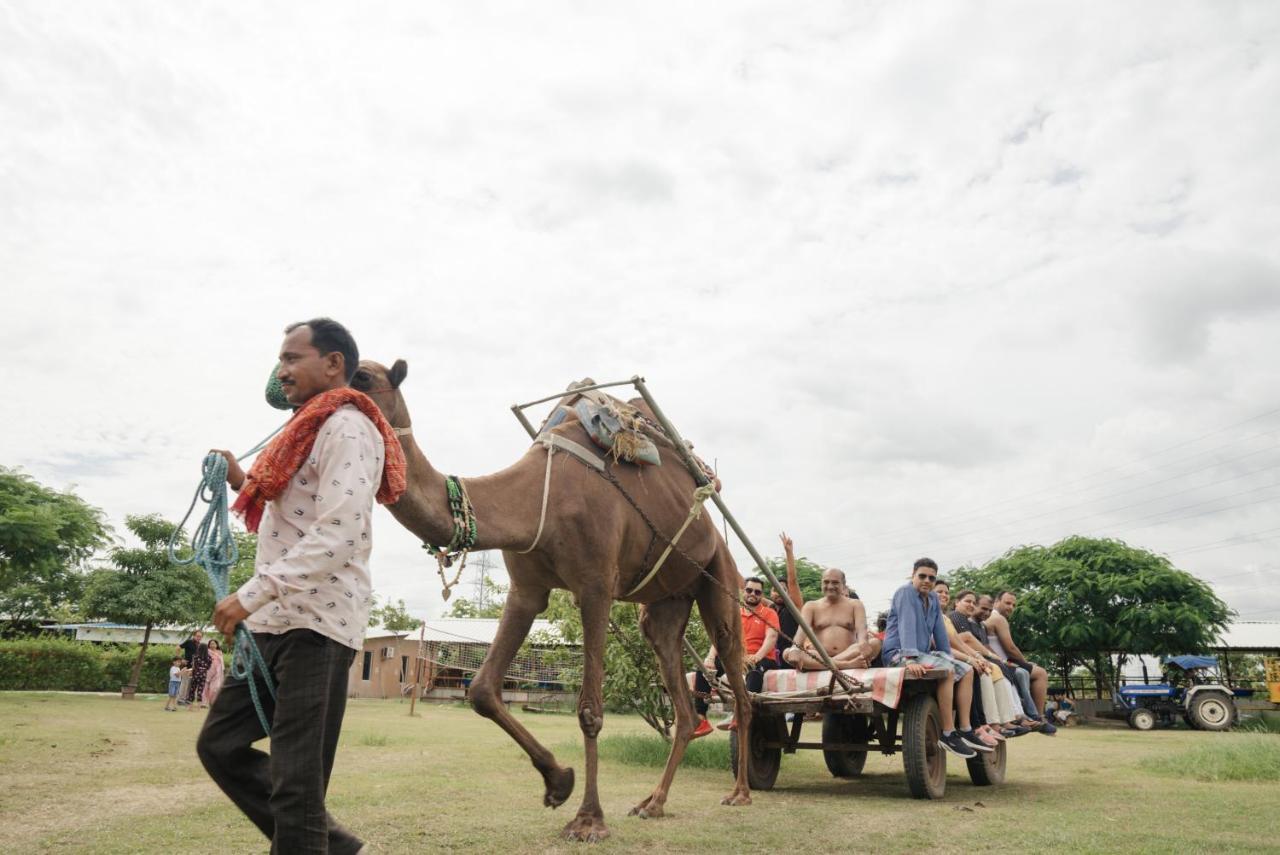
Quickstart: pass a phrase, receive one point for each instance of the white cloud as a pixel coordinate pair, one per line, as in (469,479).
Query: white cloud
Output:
(887,264)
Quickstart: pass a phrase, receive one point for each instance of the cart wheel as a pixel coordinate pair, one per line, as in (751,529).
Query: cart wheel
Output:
(762,762)
(988,768)
(843,727)
(1212,711)
(1142,719)
(924,760)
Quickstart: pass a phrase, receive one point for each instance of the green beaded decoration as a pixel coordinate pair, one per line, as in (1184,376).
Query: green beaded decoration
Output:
(275,392)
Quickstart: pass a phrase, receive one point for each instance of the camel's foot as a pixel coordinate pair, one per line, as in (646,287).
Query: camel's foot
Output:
(738,798)
(650,808)
(587,828)
(559,783)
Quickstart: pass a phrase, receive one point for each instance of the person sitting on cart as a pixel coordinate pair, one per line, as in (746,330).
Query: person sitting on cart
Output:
(915,626)
(840,624)
(759,637)
(787,625)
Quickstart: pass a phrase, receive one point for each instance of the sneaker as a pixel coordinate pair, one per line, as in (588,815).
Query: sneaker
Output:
(957,746)
(1048,728)
(974,741)
(727,724)
(703,729)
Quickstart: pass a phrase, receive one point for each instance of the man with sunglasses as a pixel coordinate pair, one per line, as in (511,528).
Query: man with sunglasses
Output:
(759,637)
(915,626)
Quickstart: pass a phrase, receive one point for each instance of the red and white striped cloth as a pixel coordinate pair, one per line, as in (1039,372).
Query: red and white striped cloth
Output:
(886,683)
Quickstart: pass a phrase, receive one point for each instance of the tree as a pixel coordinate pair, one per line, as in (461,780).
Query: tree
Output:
(144,588)
(394,616)
(808,576)
(631,679)
(1084,600)
(488,601)
(45,537)
(242,570)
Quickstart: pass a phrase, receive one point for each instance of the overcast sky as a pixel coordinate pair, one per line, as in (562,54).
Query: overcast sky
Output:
(923,279)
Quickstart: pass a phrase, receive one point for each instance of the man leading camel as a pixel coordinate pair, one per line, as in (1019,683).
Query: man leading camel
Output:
(841,626)
(310,495)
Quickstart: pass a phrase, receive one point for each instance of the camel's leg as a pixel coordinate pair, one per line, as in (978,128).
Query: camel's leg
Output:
(589,825)
(663,624)
(719,610)
(521,607)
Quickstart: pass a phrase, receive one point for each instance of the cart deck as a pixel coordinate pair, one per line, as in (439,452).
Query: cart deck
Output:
(893,713)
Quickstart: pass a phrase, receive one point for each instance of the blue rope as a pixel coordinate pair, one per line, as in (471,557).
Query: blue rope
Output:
(214,548)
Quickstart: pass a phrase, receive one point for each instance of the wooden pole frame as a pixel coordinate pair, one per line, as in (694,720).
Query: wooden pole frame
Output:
(701,479)
(417,668)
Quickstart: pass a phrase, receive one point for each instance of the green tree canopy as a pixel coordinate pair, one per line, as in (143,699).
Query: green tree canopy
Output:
(394,616)
(143,588)
(45,537)
(488,606)
(808,576)
(631,679)
(1083,600)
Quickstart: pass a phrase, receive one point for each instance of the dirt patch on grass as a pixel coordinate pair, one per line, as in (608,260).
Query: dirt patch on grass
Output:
(73,814)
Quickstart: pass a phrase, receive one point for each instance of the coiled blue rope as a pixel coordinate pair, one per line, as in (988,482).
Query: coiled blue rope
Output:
(214,548)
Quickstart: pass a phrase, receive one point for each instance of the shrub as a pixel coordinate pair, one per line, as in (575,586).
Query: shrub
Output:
(60,664)
(653,750)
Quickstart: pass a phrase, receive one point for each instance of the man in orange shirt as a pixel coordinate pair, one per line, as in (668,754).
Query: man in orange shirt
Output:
(759,637)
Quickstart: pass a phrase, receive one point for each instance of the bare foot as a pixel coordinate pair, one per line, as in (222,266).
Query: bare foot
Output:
(586,828)
(559,784)
(738,798)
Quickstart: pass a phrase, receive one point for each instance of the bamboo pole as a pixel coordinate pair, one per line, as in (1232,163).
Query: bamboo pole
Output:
(701,480)
(576,390)
(417,668)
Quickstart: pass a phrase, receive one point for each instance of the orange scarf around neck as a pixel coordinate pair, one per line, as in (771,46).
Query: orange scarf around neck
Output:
(277,464)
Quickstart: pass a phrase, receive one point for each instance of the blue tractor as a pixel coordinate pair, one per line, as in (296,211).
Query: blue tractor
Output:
(1192,690)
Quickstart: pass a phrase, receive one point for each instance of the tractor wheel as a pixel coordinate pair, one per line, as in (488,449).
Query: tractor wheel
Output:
(924,760)
(839,727)
(1142,719)
(762,762)
(1212,711)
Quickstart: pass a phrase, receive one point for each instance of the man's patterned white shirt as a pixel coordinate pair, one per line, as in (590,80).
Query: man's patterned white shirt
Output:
(312,570)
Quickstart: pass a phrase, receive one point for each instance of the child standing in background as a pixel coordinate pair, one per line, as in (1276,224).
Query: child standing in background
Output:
(175,680)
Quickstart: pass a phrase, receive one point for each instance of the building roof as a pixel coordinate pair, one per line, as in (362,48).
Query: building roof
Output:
(1250,635)
(476,630)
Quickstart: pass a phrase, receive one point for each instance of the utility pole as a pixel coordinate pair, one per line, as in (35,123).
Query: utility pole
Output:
(484,569)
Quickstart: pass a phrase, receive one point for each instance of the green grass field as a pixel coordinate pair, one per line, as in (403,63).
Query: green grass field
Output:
(95,774)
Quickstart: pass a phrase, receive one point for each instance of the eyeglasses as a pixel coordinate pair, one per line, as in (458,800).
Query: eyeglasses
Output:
(926,577)
(753,590)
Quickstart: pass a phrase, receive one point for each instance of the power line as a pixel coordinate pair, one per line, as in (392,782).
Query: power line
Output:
(1113,533)
(871,557)
(1057,488)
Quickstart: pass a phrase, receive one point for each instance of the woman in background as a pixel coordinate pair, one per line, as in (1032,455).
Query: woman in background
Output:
(213,679)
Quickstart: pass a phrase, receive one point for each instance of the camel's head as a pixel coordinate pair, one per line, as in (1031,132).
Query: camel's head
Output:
(382,384)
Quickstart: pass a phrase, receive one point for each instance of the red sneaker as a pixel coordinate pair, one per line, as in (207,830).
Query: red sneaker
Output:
(703,729)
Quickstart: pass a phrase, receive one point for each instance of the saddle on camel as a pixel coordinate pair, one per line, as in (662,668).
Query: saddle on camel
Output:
(601,505)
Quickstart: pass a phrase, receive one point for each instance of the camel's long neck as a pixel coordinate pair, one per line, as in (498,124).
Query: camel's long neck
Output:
(503,520)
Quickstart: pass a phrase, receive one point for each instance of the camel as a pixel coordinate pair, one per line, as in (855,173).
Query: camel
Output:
(596,545)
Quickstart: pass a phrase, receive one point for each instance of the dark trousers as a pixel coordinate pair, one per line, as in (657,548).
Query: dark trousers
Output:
(283,792)
(755,682)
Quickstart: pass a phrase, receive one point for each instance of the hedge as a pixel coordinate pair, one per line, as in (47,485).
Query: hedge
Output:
(59,664)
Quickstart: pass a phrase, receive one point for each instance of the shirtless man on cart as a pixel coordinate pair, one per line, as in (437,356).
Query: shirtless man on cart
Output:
(840,624)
